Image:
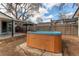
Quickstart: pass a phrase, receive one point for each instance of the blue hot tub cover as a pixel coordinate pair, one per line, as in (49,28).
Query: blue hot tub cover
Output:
(47,32)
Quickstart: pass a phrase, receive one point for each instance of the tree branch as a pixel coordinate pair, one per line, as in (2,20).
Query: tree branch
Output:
(7,10)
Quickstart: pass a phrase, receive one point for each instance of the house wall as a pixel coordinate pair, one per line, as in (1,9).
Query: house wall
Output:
(7,28)
(1,28)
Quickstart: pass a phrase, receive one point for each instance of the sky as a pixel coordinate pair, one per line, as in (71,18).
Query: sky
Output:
(49,10)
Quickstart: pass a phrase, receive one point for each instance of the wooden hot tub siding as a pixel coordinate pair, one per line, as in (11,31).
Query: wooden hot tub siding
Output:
(50,43)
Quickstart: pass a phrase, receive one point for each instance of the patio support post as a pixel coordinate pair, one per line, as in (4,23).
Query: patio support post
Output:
(26,29)
(0,27)
(13,27)
(78,26)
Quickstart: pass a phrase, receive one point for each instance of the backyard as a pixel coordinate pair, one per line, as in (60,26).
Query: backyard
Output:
(35,29)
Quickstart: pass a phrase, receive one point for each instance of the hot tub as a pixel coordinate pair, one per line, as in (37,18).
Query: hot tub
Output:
(45,40)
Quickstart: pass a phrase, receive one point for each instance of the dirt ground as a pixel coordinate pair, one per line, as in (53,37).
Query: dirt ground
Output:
(8,46)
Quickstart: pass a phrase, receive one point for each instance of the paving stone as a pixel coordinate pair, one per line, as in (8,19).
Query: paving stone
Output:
(32,51)
(52,54)
(8,47)
(37,52)
(1,42)
(20,51)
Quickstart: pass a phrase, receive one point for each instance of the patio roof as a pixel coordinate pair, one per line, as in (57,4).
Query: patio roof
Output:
(76,14)
(5,17)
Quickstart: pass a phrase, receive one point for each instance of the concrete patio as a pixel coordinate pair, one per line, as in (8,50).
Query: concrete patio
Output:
(8,46)
(17,46)
(9,35)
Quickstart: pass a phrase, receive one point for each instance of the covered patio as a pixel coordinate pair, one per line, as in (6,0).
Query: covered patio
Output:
(6,36)
(8,27)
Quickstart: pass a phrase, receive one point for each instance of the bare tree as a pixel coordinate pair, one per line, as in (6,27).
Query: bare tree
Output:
(21,11)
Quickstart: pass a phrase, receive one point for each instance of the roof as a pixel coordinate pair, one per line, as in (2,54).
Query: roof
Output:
(4,16)
(58,21)
(70,20)
(76,14)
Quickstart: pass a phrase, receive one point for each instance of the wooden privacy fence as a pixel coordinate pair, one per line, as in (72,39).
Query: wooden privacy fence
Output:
(67,29)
